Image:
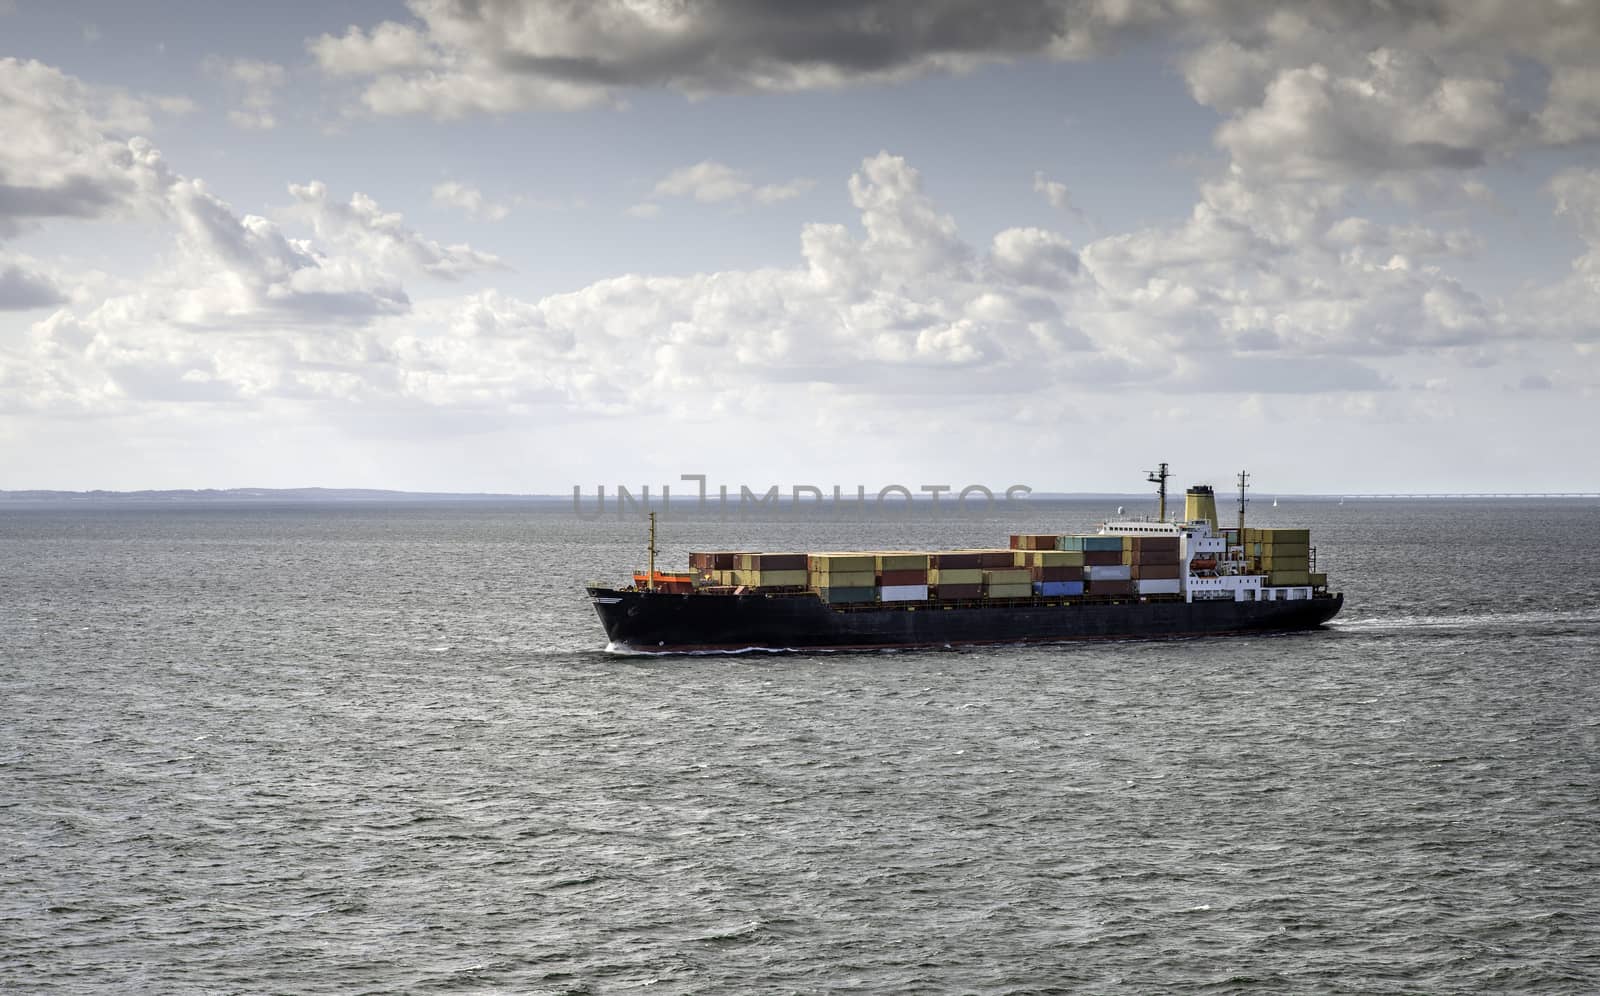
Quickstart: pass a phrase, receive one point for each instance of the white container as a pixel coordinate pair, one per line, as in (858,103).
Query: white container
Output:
(1121,572)
(1159,586)
(904,593)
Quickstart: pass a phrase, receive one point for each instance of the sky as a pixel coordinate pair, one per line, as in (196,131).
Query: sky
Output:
(486,245)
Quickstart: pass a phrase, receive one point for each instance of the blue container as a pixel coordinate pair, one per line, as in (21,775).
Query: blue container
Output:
(1056,589)
(1102,543)
(1069,542)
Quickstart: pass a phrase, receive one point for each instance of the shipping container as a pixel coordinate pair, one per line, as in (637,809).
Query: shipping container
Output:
(771,579)
(891,578)
(1059,589)
(1071,544)
(1058,558)
(1108,588)
(1319,580)
(843,579)
(1155,571)
(1102,558)
(832,562)
(955,575)
(1161,586)
(904,593)
(1057,573)
(1102,544)
(1023,590)
(1119,572)
(992,559)
(955,559)
(951,592)
(1008,576)
(1160,556)
(776,562)
(902,562)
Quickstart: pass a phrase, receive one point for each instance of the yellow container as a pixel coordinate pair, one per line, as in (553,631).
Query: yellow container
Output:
(1010,590)
(956,575)
(1289,579)
(843,579)
(1319,580)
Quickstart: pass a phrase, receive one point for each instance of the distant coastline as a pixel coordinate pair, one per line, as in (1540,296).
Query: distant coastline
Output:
(373,495)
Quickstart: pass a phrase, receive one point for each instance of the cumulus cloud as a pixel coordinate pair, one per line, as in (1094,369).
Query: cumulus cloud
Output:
(710,182)
(368,232)
(68,151)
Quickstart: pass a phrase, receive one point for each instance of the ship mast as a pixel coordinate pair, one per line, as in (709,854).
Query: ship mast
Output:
(1244,482)
(1159,478)
(650,585)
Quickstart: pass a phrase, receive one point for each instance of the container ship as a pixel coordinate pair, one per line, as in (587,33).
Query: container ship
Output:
(1134,578)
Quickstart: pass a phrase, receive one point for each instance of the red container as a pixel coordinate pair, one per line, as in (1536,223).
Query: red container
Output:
(780,562)
(1109,588)
(955,561)
(948,592)
(1102,558)
(902,577)
(996,558)
(1058,574)
(1153,544)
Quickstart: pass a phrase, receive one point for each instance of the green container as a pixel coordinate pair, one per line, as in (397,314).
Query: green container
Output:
(955,575)
(1102,543)
(1024,590)
(902,561)
(832,562)
(1073,543)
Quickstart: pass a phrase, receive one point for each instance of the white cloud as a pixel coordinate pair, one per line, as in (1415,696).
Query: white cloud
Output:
(710,182)
(368,232)
(470,199)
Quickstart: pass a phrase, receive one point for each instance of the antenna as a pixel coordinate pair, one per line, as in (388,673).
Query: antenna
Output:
(1244,482)
(651,584)
(1159,478)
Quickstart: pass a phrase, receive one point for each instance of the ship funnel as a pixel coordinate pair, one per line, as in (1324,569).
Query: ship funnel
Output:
(1200,504)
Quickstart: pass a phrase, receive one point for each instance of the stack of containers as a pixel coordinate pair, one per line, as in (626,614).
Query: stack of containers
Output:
(1054,573)
(1103,569)
(842,578)
(1284,555)
(902,577)
(1153,561)
(1034,541)
(719,567)
(1008,582)
(956,574)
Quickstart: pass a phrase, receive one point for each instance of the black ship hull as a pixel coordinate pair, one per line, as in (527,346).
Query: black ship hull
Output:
(655,622)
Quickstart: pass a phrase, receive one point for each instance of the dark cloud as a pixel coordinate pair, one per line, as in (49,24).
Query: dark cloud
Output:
(77,197)
(21,290)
